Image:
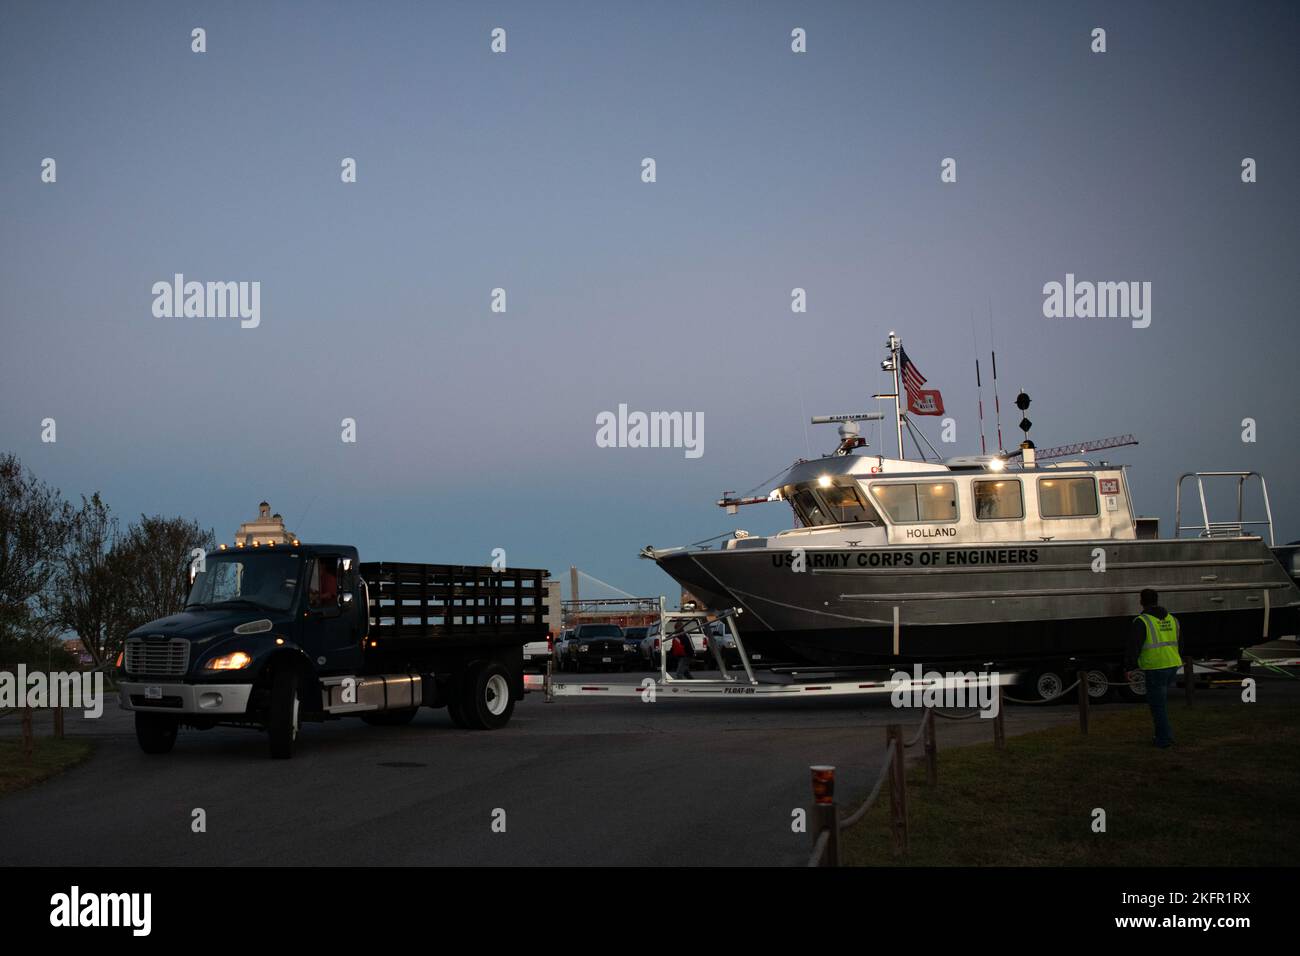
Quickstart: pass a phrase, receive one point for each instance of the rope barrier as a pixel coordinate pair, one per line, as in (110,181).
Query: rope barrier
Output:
(861,811)
(921,729)
(819,847)
(1046,700)
(940,713)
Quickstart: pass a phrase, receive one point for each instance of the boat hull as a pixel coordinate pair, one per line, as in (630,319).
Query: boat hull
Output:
(992,602)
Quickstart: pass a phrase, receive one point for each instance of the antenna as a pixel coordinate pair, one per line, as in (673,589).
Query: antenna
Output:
(979,389)
(997,406)
(1060,451)
(850,433)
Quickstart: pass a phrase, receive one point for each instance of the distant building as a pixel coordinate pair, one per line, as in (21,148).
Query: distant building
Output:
(266,528)
(554,613)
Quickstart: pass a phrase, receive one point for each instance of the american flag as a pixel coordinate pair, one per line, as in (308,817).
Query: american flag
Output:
(920,401)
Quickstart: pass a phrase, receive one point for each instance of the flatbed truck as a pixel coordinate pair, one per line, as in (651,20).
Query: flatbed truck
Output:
(279,634)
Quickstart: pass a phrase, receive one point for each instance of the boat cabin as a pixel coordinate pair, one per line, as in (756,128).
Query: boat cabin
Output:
(871,501)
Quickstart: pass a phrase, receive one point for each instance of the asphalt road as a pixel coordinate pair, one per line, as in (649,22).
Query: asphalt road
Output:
(613,781)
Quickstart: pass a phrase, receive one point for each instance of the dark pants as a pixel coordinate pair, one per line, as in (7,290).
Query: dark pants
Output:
(683,666)
(1158,684)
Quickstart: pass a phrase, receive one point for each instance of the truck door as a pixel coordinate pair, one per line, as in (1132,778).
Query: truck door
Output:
(332,635)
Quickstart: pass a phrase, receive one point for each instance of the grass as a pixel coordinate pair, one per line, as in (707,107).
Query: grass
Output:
(49,757)
(1228,794)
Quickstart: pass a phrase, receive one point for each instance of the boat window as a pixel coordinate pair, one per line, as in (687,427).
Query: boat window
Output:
(927,501)
(846,506)
(998,500)
(1067,497)
(809,509)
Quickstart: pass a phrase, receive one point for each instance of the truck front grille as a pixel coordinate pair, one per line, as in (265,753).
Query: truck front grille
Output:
(147,658)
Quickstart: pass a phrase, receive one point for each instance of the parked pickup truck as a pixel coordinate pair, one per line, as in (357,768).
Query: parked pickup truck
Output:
(273,636)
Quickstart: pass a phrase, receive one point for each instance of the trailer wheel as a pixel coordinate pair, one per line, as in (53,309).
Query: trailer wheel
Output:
(1135,691)
(1045,683)
(487,703)
(1098,684)
(156,733)
(390,718)
(285,712)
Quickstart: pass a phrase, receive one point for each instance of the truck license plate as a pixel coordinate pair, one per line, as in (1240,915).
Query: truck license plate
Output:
(153,693)
(606,660)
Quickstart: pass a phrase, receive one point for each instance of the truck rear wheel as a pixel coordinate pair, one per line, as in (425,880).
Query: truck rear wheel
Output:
(390,718)
(285,717)
(487,703)
(156,733)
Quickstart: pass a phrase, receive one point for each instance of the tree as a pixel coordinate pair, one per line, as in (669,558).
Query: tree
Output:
(34,525)
(153,561)
(92,600)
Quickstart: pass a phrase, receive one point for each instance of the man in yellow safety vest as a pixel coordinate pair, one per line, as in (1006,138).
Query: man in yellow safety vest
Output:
(1153,647)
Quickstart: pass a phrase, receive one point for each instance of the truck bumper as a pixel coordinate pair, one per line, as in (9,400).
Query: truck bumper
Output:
(164,698)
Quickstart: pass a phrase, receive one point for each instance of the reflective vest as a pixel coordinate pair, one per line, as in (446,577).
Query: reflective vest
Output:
(1160,649)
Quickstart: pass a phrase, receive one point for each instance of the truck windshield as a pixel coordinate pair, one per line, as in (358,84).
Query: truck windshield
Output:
(600,630)
(265,580)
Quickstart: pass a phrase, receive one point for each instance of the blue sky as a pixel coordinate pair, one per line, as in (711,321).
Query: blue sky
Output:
(775,170)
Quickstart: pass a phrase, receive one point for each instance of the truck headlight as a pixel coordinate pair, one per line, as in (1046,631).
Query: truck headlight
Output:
(582,648)
(229,662)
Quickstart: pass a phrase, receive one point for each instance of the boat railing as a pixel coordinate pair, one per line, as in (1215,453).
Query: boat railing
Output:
(1222,528)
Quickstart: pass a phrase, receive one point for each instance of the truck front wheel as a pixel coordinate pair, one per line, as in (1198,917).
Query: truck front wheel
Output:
(487,703)
(156,733)
(285,717)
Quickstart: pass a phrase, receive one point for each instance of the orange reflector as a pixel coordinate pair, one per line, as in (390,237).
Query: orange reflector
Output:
(823,784)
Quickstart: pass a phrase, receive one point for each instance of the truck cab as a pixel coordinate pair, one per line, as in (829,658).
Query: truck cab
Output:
(275,634)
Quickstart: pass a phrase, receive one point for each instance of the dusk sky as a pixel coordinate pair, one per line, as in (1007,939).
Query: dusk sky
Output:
(522,170)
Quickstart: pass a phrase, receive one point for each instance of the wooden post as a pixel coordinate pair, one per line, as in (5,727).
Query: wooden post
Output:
(1083,703)
(826,817)
(999,729)
(897,787)
(58,722)
(931,750)
(1189,680)
(27,735)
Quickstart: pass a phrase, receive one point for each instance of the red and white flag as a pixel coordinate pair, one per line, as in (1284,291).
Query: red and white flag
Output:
(920,401)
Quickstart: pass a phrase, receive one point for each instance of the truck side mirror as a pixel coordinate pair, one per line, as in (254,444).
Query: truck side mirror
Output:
(346,597)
